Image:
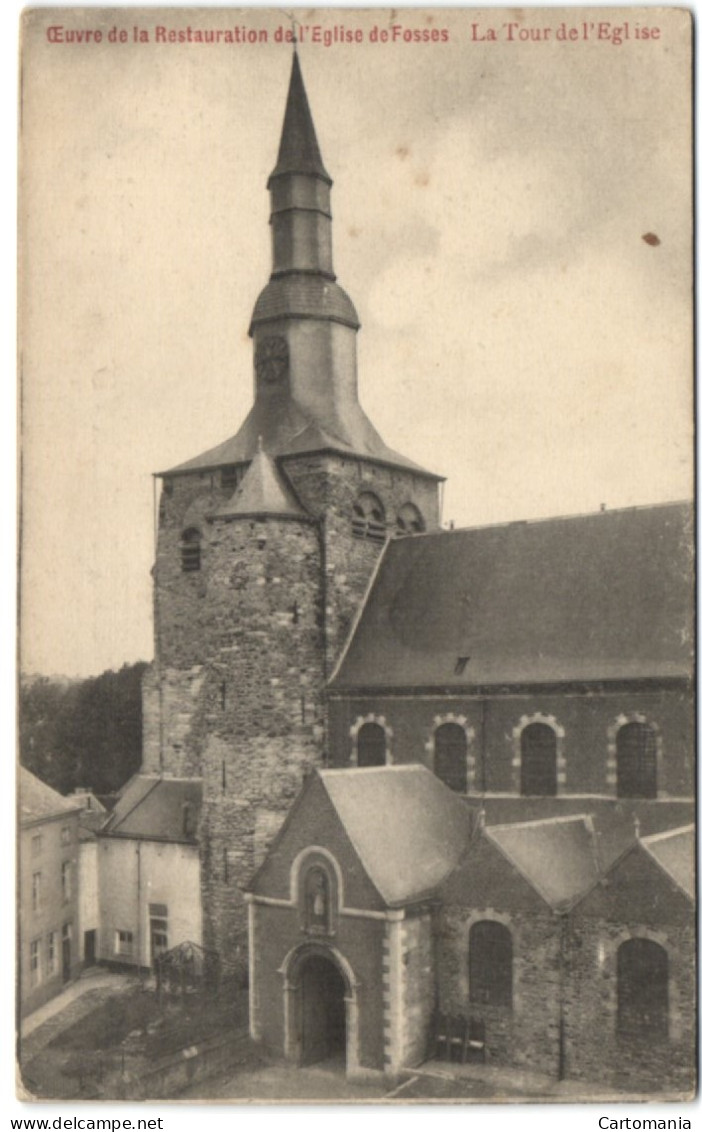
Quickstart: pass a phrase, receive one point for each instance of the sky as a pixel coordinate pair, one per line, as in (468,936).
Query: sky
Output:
(519,335)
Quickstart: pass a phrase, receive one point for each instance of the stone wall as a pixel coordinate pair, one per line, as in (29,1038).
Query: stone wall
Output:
(524,1035)
(328,485)
(244,646)
(595,1050)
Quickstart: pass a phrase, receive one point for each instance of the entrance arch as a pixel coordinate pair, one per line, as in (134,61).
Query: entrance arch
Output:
(320,1006)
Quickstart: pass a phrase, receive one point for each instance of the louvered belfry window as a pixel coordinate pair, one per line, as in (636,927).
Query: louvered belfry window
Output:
(190,546)
(642,988)
(371,745)
(450,756)
(636,761)
(409,520)
(538,751)
(368,521)
(490,963)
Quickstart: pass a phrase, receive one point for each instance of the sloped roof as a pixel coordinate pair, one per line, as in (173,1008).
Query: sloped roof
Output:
(408,829)
(556,856)
(304,296)
(591,597)
(154,809)
(262,491)
(288,429)
(674,851)
(299,149)
(37,800)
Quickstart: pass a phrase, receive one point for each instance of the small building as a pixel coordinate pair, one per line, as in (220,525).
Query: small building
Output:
(387,911)
(341,937)
(48,891)
(149,871)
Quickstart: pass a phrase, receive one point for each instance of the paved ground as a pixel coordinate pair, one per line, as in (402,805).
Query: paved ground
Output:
(256,1079)
(324,1082)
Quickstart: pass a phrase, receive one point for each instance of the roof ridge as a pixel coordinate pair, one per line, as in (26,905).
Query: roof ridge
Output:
(570,516)
(651,837)
(559,818)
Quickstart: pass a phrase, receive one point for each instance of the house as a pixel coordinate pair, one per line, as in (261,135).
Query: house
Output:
(49,921)
(149,871)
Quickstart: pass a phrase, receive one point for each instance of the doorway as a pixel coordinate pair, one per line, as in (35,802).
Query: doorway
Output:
(89,947)
(323,1004)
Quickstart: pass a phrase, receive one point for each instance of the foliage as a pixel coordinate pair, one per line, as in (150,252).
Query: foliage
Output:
(82,733)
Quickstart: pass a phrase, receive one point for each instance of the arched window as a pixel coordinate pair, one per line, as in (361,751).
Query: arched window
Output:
(317,897)
(636,761)
(490,963)
(538,752)
(368,518)
(409,520)
(642,987)
(190,550)
(450,756)
(371,745)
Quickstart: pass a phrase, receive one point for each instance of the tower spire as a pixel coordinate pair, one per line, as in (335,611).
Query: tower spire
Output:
(299,149)
(303,324)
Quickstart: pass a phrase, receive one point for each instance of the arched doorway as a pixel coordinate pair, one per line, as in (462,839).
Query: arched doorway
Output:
(322,1011)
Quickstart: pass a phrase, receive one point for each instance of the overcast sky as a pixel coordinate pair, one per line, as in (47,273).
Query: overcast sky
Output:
(519,335)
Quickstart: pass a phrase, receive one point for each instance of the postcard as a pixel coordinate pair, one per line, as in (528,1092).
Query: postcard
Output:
(357,734)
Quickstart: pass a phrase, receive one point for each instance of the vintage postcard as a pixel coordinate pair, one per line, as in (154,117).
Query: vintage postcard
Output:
(357,744)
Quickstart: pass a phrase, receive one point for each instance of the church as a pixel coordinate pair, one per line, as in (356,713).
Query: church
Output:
(438,785)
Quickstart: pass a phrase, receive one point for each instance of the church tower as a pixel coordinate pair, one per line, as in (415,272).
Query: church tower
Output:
(266,545)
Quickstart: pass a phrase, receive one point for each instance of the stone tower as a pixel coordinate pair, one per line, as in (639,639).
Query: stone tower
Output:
(266,546)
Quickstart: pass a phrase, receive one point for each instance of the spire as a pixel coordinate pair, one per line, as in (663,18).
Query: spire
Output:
(299,149)
(263,491)
(304,330)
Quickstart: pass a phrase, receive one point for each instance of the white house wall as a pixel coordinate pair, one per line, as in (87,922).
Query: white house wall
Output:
(88,901)
(134,874)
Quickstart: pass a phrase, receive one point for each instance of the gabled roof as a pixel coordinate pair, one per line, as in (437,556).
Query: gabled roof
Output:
(299,149)
(589,598)
(674,852)
(37,800)
(557,856)
(408,829)
(263,491)
(157,809)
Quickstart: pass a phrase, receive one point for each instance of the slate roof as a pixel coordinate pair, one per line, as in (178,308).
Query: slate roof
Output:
(263,491)
(586,598)
(288,429)
(153,809)
(557,856)
(299,149)
(37,800)
(408,829)
(304,296)
(674,851)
